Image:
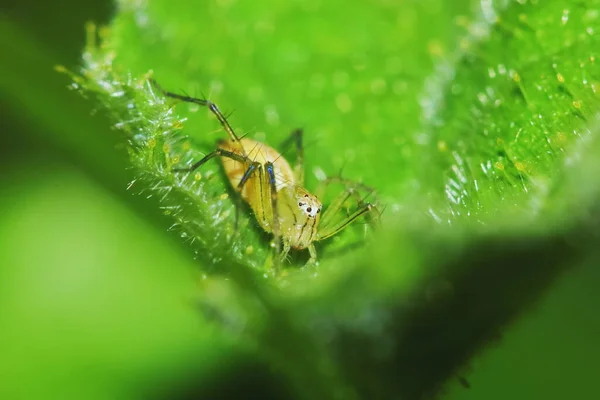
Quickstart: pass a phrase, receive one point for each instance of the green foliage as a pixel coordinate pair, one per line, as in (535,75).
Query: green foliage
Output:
(475,122)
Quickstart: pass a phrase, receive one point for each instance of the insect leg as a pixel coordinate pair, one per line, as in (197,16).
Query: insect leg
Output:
(273,198)
(348,183)
(249,172)
(352,189)
(234,156)
(206,103)
(313,254)
(285,251)
(218,152)
(331,230)
(296,138)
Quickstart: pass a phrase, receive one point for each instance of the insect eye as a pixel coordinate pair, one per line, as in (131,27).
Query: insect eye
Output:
(305,195)
(300,204)
(318,210)
(308,209)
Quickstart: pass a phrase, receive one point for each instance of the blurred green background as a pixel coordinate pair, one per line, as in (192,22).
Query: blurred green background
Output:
(98,299)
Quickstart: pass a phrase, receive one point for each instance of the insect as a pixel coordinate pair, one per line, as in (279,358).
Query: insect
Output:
(274,190)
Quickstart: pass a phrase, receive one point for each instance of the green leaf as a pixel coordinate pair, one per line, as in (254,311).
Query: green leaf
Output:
(475,122)
(342,94)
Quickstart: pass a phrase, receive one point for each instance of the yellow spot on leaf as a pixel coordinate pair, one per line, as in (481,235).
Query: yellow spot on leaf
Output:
(216,64)
(560,78)
(577,104)
(465,44)
(462,21)
(499,166)
(442,146)
(560,139)
(197,176)
(223,196)
(343,103)
(520,167)
(378,86)
(90,34)
(147,75)
(435,48)
(104,32)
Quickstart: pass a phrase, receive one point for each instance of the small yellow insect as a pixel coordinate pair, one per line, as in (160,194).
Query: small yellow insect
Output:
(274,191)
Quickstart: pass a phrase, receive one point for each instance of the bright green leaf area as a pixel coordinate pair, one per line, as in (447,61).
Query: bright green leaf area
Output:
(475,122)
(474,112)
